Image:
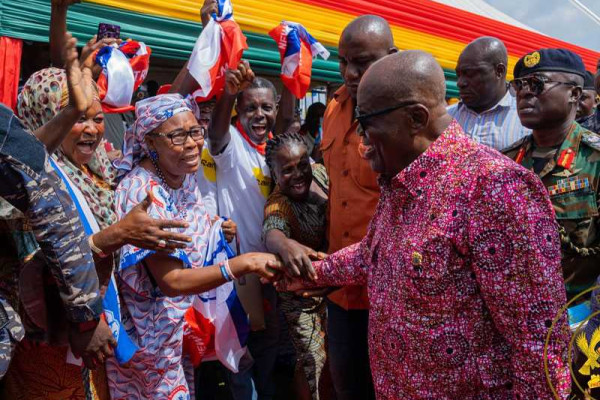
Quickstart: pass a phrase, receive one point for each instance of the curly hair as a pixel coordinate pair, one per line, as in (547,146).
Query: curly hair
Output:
(279,141)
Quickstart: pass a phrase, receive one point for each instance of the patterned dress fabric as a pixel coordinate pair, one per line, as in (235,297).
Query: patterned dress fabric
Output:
(156,322)
(306,223)
(462,262)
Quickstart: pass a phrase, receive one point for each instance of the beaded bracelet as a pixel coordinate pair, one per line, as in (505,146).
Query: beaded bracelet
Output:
(226,262)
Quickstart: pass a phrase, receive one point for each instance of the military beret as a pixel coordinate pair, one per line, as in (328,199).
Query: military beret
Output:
(549,60)
(588,81)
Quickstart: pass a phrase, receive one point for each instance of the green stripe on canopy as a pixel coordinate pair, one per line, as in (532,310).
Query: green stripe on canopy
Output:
(168,37)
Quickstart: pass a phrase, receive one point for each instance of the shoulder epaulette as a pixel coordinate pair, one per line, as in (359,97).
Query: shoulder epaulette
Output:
(591,139)
(515,145)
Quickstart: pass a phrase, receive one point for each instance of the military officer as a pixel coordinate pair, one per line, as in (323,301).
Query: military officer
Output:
(548,84)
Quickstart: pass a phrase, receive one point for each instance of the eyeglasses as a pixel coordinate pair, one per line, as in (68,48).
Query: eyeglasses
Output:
(179,136)
(536,84)
(361,118)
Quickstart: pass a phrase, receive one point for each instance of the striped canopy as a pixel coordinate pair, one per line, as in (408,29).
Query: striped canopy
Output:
(171,27)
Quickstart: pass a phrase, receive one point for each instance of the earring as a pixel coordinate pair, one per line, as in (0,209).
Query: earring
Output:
(153,155)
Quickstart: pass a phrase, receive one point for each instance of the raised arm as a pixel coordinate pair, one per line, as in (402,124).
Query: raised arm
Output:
(184,83)
(236,80)
(81,91)
(285,114)
(58,30)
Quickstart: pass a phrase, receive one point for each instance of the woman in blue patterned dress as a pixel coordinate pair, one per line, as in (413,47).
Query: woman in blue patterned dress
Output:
(161,153)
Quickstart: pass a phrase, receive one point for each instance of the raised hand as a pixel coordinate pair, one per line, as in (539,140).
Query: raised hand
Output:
(208,8)
(236,80)
(79,77)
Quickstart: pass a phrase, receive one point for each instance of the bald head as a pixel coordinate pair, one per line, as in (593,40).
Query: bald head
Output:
(401,109)
(488,49)
(481,73)
(375,28)
(410,75)
(364,41)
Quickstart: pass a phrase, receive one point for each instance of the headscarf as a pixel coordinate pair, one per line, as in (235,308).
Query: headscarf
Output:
(150,113)
(46,93)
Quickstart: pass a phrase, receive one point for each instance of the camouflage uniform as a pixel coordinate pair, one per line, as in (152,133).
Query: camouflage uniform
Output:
(572,178)
(29,184)
(591,122)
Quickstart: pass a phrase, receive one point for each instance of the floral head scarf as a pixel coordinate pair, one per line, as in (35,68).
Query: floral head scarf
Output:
(150,113)
(46,93)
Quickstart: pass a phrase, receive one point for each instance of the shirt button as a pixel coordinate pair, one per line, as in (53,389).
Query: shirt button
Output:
(346,142)
(344,204)
(346,234)
(345,172)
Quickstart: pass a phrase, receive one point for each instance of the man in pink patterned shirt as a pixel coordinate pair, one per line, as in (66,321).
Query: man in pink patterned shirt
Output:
(462,256)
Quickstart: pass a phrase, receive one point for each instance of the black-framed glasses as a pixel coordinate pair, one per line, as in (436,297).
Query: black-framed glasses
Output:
(536,84)
(361,118)
(179,136)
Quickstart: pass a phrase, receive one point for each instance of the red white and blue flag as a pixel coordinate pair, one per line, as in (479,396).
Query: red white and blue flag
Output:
(123,71)
(217,321)
(220,46)
(297,49)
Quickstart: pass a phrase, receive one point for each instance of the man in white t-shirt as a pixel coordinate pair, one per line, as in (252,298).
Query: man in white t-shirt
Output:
(243,185)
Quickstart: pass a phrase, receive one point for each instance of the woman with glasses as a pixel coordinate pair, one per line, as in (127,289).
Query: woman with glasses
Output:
(161,156)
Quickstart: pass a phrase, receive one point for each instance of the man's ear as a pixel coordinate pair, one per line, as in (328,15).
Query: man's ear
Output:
(576,93)
(419,118)
(501,70)
(392,50)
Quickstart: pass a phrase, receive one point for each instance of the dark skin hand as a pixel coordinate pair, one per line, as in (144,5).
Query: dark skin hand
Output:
(229,228)
(93,346)
(139,229)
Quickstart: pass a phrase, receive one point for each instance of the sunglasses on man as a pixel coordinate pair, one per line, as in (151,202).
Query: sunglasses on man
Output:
(536,84)
(362,118)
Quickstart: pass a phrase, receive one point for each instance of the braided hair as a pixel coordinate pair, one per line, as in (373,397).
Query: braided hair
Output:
(279,141)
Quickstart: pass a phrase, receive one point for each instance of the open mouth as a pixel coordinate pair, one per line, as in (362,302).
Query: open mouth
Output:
(86,146)
(191,159)
(259,129)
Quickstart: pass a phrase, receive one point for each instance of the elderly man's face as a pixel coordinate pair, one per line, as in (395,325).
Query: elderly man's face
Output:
(385,142)
(549,108)
(356,54)
(478,82)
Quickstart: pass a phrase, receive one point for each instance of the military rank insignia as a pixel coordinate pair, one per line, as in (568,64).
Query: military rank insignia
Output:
(565,159)
(569,185)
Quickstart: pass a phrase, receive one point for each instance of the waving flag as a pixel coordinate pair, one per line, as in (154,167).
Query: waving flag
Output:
(125,348)
(219,46)
(218,310)
(297,49)
(123,71)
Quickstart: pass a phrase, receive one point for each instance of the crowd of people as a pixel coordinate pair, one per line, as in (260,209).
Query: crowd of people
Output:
(414,250)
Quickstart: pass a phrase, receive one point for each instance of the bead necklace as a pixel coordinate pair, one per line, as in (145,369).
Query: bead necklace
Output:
(163,182)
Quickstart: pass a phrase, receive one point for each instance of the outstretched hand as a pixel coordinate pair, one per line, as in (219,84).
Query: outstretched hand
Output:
(141,230)
(79,77)
(236,80)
